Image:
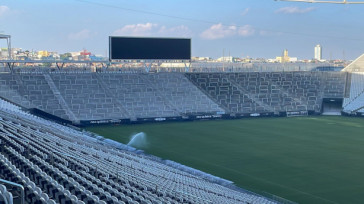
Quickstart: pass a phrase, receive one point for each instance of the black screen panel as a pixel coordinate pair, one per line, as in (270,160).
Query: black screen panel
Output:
(127,48)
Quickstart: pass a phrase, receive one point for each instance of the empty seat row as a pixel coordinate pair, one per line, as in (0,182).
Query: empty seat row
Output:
(59,164)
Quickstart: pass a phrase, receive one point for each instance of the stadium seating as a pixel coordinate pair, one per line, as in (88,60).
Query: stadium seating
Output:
(355,101)
(138,95)
(256,92)
(356,66)
(30,91)
(84,96)
(157,95)
(91,96)
(335,84)
(355,105)
(182,94)
(57,164)
(5,196)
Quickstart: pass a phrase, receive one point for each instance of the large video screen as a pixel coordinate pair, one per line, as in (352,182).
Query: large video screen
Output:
(129,48)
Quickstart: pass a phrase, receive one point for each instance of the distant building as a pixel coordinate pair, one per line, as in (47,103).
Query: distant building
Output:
(226,59)
(272,60)
(284,58)
(279,59)
(4,53)
(43,53)
(174,65)
(318,53)
(201,59)
(293,59)
(75,54)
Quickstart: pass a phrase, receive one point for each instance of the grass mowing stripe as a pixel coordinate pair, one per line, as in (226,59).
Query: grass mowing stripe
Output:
(320,156)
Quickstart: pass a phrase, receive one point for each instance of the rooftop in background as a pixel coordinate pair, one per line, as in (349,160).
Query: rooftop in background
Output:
(4,36)
(327,2)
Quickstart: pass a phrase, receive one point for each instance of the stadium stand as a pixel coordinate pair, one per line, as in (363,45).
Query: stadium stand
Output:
(335,83)
(138,95)
(94,96)
(86,96)
(57,164)
(5,196)
(356,66)
(182,94)
(30,91)
(157,95)
(257,92)
(355,101)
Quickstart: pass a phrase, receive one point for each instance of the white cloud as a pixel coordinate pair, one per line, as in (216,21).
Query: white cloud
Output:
(151,29)
(136,29)
(245,12)
(294,10)
(4,10)
(219,31)
(246,31)
(81,35)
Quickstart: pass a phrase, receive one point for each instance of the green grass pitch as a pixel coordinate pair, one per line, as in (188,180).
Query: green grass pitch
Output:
(303,159)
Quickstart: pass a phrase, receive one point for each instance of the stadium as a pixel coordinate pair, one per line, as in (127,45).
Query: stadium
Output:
(128,130)
(47,155)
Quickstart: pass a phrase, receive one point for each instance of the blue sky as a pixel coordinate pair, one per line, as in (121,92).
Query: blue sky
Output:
(255,28)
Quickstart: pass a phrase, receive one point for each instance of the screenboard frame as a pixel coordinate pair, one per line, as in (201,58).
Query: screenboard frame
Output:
(150,60)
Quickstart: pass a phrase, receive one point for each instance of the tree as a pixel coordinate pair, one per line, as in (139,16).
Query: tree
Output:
(65,56)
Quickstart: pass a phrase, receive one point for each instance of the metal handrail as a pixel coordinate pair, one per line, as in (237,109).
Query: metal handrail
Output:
(18,186)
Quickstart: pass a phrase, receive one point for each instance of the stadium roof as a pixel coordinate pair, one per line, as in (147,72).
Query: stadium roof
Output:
(356,66)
